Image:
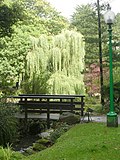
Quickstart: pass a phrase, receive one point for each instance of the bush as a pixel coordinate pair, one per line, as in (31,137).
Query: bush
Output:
(8,124)
(8,154)
(62,128)
(38,147)
(35,126)
(116,96)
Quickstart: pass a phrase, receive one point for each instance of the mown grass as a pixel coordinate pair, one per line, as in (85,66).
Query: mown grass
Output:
(92,141)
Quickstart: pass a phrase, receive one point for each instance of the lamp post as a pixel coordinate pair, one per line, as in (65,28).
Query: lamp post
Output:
(112,119)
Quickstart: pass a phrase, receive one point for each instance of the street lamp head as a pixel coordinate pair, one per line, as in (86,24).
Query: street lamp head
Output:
(109,16)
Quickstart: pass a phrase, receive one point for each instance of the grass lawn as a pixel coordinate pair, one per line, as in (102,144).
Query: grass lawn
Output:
(90,141)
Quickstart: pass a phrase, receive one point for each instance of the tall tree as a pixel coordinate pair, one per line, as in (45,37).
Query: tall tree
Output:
(10,13)
(48,16)
(85,20)
(15,41)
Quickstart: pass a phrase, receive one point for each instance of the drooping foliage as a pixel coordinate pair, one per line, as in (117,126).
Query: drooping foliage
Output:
(61,57)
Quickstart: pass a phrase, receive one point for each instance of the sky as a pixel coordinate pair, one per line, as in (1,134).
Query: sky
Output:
(67,7)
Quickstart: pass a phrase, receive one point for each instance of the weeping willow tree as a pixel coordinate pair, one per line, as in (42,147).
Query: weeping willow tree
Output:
(36,73)
(61,59)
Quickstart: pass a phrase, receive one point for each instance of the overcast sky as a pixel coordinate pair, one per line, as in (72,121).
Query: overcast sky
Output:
(67,7)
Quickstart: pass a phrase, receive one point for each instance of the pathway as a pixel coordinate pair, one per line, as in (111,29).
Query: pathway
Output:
(56,117)
(102,118)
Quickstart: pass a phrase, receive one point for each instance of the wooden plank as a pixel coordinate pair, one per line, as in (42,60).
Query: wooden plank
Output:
(44,111)
(48,114)
(26,111)
(82,106)
(44,97)
(65,95)
(45,102)
(44,105)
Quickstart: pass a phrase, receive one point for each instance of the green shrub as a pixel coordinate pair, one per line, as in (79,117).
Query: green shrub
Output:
(8,154)
(116,96)
(62,128)
(35,126)
(8,124)
(38,147)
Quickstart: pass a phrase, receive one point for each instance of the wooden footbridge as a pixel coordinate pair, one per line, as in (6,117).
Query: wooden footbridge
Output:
(48,106)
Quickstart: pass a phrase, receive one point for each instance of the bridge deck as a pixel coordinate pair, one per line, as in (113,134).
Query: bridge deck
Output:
(43,116)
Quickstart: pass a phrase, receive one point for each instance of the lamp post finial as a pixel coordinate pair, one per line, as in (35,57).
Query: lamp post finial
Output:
(108,7)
